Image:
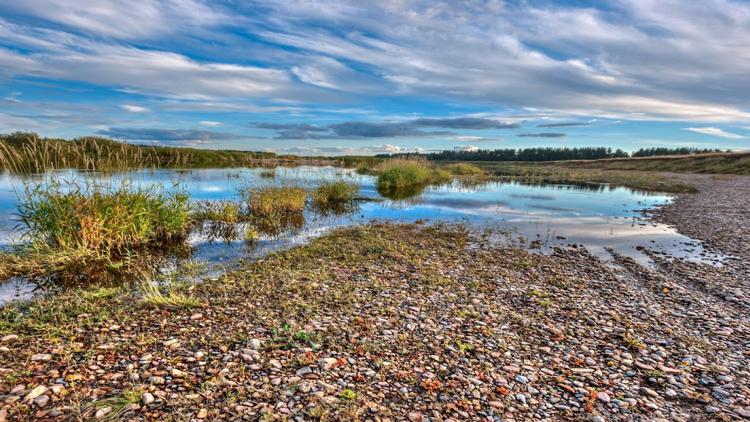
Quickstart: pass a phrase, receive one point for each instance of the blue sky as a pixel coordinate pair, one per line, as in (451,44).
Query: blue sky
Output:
(363,77)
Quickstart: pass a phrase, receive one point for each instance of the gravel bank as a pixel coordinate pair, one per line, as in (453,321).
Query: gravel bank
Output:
(392,322)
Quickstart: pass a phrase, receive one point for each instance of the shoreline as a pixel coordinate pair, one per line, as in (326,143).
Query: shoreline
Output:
(397,322)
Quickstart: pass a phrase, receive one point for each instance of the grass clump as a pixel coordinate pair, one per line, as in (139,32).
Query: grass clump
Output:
(93,226)
(274,209)
(335,196)
(167,296)
(464,169)
(401,173)
(218,211)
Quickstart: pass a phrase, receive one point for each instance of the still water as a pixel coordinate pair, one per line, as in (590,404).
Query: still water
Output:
(598,217)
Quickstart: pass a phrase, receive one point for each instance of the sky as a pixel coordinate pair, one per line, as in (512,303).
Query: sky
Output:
(369,77)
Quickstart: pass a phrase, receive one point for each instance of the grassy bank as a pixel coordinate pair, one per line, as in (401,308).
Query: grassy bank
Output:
(554,173)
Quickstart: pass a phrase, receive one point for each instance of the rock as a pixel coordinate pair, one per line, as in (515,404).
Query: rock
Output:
(649,392)
(327,364)
(147,398)
(9,338)
(36,392)
(156,380)
(196,317)
(520,378)
(305,370)
(172,343)
(177,373)
(42,400)
(101,413)
(602,396)
(416,417)
(255,344)
(41,357)
(712,409)
(202,414)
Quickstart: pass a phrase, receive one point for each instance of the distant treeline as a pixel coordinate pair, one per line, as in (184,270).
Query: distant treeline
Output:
(653,152)
(549,154)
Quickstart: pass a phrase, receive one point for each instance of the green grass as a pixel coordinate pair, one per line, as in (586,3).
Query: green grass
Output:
(554,173)
(92,228)
(464,169)
(268,173)
(334,196)
(274,209)
(218,211)
(168,295)
(28,153)
(400,173)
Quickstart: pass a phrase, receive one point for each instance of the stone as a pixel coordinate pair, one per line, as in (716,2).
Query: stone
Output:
(327,364)
(9,338)
(42,400)
(41,357)
(147,398)
(305,370)
(255,344)
(202,414)
(196,316)
(602,396)
(36,392)
(101,413)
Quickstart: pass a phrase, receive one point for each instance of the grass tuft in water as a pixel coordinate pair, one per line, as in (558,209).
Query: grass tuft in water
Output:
(74,226)
(274,209)
(335,196)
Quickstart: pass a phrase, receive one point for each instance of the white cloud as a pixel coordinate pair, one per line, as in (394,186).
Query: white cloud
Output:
(120,19)
(210,123)
(715,131)
(130,108)
(466,148)
(470,138)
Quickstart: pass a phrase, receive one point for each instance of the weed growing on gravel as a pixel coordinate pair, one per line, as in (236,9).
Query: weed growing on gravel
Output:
(169,296)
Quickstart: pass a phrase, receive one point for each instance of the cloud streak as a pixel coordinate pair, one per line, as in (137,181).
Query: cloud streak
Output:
(715,131)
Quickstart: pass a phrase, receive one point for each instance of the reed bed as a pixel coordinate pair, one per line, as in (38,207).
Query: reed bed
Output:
(27,153)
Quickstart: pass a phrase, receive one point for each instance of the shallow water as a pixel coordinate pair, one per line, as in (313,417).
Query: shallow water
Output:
(597,217)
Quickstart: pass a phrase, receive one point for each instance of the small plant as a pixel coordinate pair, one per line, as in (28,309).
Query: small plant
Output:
(633,343)
(464,347)
(464,169)
(170,298)
(348,395)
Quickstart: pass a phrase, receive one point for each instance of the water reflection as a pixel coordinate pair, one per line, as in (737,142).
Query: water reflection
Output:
(598,217)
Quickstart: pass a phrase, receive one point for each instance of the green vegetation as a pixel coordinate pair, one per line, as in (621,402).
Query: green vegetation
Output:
(82,228)
(22,152)
(167,295)
(335,196)
(555,173)
(275,209)
(404,178)
(464,169)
